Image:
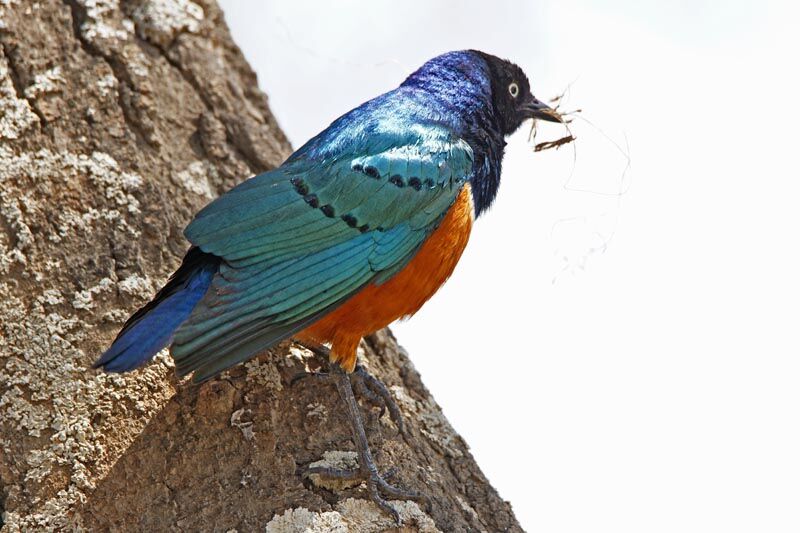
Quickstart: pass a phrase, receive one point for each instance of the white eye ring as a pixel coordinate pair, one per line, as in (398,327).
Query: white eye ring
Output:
(513,89)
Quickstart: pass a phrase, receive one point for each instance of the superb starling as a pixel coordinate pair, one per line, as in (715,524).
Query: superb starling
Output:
(357,228)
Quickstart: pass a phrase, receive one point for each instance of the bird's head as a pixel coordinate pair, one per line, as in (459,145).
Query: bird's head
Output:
(469,78)
(511,95)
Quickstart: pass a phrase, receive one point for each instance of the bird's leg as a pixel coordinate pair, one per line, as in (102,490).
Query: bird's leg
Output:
(378,394)
(366,385)
(364,392)
(367,471)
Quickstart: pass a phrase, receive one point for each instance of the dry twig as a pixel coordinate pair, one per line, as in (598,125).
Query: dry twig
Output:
(564,118)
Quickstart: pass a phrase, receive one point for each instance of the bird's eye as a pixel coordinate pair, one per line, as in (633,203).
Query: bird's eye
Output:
(513,89)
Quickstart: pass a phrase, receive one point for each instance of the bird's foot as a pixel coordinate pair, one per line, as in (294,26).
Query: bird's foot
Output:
(379,489)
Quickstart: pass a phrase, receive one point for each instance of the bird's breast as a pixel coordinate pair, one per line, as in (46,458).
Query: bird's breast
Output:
(376,306)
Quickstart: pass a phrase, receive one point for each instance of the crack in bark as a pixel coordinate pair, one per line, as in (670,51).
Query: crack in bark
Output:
(124,83)
(16,81)
(117,67)
(126,6)
(252,164)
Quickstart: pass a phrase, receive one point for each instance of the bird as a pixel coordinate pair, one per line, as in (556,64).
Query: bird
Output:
(357,228)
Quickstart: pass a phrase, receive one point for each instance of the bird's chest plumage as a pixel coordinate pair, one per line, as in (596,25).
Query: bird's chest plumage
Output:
(376,306)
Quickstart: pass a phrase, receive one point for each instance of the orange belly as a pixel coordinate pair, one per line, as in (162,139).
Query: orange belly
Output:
(376,306)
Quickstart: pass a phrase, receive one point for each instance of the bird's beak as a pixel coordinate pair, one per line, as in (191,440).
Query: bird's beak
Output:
(533,108)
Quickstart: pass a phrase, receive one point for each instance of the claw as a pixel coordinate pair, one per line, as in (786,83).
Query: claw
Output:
(322,376)
(400,494)
(333,473)
(383,504)
(320,350)
(390,474)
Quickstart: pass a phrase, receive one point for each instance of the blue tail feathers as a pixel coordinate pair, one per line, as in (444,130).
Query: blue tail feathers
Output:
(152,327)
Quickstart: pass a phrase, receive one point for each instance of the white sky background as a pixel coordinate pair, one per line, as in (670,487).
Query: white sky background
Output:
(651,385)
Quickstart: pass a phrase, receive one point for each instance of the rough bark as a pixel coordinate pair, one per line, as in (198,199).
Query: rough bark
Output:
(118,120)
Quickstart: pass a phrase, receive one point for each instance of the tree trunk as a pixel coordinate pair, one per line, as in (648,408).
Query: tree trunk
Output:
(119,120)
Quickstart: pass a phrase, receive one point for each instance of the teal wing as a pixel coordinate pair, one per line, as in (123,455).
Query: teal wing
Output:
(301,239)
